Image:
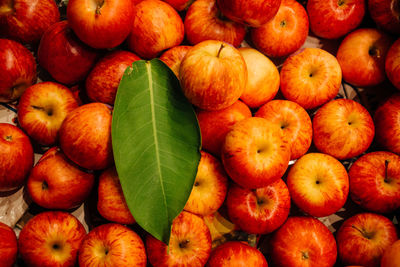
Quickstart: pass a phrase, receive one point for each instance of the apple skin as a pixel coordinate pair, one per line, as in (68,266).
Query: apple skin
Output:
(179,5)
(51,238)
(201,71)
(42,108)
(343,128)
(259,211)
(111,202)
(64,56)
(189,244)
(8,246)
(103,80)
(285,33)
(310,78)
(85,136)
(303,241)
(173,57)
(254,153)
(391,256)
(363,238)
(204,21)
(235,253)
(375,181)
(392,64)
(112,245)
(318,184)
(156,27)
(366,49)
(25,21)
(332,19)
(16,157)
(385,13)
(17,68)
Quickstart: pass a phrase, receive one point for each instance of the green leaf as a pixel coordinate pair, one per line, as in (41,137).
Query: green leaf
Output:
(156,142)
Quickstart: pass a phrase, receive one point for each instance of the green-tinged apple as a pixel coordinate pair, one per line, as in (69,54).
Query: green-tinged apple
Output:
(386,14)
(201,71)
(51,239)
(8,246)
(285,33)
(318,184)
(294,122)
(391,256)
(363,238)
(189,244)
(179,5)
(311,77)
(392,64)
(174,56)
(343,128)
(254,153)
(262,78)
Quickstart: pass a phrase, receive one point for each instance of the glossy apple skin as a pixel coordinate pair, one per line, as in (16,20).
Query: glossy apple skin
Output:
(201,71)
(42,108)
(332,19)
(8,246)
(111,202)
(392,64)
(385,13)
(17,68)
(189,245)
(16,157)
(103,80)
(285,33)
(293,120)
(254,153)
(64,56)
(343,128)
(156,27)
(391,256)
(101,24)
(253,13)
(235,253)
(363,238)
(112,245)
(303,241)
(366,49)
(179,5)
(204,21)
(310,78)
(85,136)
(25,21)
(173,57)
(51,238)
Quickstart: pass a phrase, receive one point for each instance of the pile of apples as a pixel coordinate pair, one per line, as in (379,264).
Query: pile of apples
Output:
(271,139)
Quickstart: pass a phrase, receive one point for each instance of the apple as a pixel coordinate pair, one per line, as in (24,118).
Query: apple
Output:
(391,256)
(25,20)
(392,64)
(254,153)
(235,253)
(332,19)
(285,33)
(112,245)
(189,244)
(156,27)
(318,184)
(366,49)
(17,68)
(293,120)
(8,246)
(385,13)
(51,238)
(204,21)
(310,78)
(64,56)
(303,241)
(262,78)
(85,136)
(16,157)
(111,202)
(343,128)
(201,71)
(179,5)
(173,57)
(103,80)
(363,238)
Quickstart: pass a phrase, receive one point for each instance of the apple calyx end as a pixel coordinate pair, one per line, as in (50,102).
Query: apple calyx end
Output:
(374,52)
(184,243)
(304,255)
(45,186)
(341,2)
(8,138)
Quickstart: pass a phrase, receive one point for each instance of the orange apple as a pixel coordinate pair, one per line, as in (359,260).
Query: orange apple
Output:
(173,57)
(391,256)
(392,64)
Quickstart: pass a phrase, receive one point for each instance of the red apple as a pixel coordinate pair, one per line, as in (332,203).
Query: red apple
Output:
(173,57)
(103,80)
(204,21)
(343,128)
(17,68)
(391,256)
(8,246)
(392,64)
(64,56)
(385,13)
(179,5)
(51,238)
(285,33)
(16,157)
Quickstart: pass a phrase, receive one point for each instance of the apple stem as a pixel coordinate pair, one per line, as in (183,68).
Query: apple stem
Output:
(99,5)
(363,232)
(386,170)
(220,49)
